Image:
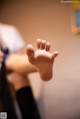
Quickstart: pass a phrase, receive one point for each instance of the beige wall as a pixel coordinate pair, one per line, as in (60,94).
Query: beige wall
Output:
(50,20)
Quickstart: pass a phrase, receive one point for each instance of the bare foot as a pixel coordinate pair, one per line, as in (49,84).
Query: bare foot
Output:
(42,58)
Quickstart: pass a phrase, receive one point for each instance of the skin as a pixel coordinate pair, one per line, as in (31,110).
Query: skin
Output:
(1,57)
(35,61)
(42,58)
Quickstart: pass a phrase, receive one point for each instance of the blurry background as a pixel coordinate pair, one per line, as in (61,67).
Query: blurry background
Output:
(50,20)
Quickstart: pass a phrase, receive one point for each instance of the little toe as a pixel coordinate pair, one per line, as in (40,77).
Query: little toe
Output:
(54,54)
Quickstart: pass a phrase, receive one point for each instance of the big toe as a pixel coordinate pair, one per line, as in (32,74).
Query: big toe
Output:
(30,50)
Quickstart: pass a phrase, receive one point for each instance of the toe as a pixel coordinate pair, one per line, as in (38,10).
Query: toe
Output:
(43,44)
(54,54)
(48,46)
(30,50)
(39,42)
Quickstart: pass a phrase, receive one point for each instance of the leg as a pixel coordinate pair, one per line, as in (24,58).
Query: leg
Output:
(27,103)
(25,97)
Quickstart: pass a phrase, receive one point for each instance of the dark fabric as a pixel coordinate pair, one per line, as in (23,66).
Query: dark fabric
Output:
(27,104)
(6,101)
(6,52)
